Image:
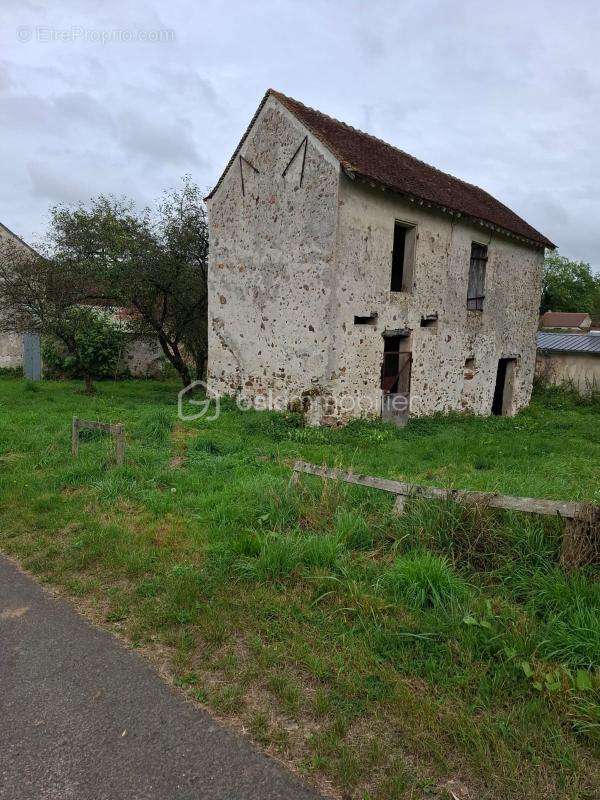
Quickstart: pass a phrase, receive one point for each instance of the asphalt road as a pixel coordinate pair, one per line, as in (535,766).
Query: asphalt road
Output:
(83,718)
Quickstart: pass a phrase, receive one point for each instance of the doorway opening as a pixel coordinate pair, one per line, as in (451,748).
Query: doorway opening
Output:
(395,376)
(503,391)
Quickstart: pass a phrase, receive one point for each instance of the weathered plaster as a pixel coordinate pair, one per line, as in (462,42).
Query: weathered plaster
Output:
(581,370)
(506,326)
(11,350)
(11,344)
(271,262)
(291,266)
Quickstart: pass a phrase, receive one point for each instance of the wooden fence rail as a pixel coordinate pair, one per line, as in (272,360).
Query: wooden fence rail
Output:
(117,430)
(529,505)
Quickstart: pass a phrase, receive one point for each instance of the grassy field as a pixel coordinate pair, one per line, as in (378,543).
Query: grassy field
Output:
(442,653)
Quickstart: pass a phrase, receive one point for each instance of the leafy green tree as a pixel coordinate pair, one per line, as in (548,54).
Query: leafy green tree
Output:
(152,262)
(39,293)
(569,286)
(96,345)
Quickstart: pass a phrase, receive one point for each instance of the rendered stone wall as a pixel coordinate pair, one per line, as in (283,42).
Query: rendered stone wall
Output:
(505,328)
(271,267)
(291,266)
(581,370)
(11,350)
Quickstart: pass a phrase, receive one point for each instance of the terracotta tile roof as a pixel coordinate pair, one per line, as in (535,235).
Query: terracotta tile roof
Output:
(373,159)
(564,319)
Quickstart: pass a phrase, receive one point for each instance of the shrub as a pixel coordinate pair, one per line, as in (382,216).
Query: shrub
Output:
(96,345)
(421,579)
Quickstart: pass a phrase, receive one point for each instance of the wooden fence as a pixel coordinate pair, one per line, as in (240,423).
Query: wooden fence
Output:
(117,430)
(529,505)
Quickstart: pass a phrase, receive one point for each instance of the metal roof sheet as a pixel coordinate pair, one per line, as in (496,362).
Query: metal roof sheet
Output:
(569,342)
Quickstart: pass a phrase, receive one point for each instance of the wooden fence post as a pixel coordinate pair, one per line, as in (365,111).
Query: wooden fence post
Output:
(117,431)
(119,444)
(75,437)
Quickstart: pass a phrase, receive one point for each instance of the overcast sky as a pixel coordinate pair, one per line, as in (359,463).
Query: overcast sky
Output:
(505,95)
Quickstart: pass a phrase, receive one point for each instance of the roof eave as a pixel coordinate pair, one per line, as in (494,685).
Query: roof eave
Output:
(353,173)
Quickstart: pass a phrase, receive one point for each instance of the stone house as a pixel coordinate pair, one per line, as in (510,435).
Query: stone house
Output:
(343,268)
(11,344)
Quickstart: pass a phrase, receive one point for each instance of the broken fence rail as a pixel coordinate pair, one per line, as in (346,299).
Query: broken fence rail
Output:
(529,505)
(117,430)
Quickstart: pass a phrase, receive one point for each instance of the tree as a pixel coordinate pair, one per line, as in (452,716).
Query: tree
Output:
(569,286)
(152,263)
(97,344)
(41,294)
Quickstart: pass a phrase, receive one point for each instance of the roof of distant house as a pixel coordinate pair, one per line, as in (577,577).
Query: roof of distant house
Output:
(569,343)
(564,319)
(6,232)
(363,155)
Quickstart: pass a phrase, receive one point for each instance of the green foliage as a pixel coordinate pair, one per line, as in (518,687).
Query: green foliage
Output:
(155,425)
(279,556)
(570,286)
(152,261)
(95,345)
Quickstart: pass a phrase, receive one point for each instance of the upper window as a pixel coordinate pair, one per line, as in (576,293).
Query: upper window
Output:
(476,290)
(403,255)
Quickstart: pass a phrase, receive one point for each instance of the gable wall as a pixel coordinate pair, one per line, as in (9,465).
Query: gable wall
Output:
(11,344)
(271,258)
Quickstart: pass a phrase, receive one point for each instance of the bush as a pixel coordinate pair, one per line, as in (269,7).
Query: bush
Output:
(95,351)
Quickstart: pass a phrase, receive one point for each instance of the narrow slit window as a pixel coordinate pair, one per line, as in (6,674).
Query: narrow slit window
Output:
(370,320)
(477,268)
(402,257)
(430,321)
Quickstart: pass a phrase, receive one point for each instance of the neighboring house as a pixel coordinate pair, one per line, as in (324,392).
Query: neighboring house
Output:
(569,358)
(569,322)
(143,356)
(11,344)
(341,266)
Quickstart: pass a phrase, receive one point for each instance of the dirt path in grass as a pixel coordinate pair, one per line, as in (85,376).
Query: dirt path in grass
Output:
(85,718)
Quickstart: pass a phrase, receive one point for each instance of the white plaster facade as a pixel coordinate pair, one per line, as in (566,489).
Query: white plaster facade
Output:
(581,370)
(298,249)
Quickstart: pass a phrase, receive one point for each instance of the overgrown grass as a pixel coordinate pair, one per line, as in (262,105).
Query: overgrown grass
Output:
(387,655)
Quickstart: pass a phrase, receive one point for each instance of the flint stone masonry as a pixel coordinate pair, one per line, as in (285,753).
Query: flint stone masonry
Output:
(298,249)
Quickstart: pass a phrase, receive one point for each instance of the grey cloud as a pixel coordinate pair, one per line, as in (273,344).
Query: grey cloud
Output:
(166,141)
(502,95)
(50,183)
